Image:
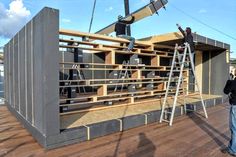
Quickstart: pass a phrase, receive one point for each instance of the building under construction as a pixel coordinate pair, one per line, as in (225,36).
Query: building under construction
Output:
(67,86)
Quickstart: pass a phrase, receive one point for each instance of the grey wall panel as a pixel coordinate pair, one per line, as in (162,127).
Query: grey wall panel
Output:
(205,72)
(104,128)
(68,56)
(210,41)
(98,74)
(29,78)
(15,73)
(22,72)
(227,46)
(51,71)
(219,72)
(11,59)
(219,44)
(87,58)
(9,72)
(18,85)
(33,72)
(6,72)
(35,133)
(200,39)
(38,71)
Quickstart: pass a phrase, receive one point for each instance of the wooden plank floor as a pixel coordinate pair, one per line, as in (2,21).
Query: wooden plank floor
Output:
(190,136)
(96,116)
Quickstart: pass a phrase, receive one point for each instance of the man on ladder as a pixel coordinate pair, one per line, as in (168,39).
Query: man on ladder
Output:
(188,37)
(186,51)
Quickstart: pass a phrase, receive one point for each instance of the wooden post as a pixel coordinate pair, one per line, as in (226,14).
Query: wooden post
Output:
(102,91)
(155,61)
(162,86)
(136,74)
(110,57)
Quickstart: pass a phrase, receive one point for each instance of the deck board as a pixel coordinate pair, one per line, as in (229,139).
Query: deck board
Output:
(189,136)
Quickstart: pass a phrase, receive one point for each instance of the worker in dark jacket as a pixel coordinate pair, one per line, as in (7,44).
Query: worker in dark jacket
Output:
(120,29)
(188,37)
(230,90)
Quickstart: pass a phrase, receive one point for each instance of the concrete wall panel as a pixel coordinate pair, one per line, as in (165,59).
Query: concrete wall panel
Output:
(22,89)
(32,67)
(15,73)
(219,72)
(29,69)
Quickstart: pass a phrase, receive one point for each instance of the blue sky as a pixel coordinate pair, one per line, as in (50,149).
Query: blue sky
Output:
(76,14)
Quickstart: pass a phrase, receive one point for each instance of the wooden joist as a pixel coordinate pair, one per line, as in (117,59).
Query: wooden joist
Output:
(86,48)
(100,37)
(112,84)
(131,101)
(105,46)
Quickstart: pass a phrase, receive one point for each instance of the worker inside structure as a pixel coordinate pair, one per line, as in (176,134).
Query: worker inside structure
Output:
(120,29)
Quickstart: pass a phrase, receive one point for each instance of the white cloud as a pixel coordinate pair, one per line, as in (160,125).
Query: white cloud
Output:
(202,11)
(12,19)
(109,9)
(66,20)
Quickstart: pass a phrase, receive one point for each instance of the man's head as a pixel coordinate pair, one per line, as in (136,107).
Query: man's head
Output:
(120,17)
(188,30)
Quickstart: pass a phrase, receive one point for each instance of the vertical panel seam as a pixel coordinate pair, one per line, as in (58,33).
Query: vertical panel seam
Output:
(13,73)
(209,73)
(32,69)
(19,82)
(25,80)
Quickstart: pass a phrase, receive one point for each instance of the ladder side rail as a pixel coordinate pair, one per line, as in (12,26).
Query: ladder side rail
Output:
(168,84)
(178,85)
(194,73)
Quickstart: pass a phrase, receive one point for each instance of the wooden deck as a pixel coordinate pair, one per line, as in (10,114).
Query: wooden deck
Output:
(189,136)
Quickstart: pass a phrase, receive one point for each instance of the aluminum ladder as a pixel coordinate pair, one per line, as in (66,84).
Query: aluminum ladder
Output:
(182,61)
(80,76)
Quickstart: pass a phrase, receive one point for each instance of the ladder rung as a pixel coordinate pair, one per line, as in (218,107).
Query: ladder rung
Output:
(164,120)
(168,112)
(190,110)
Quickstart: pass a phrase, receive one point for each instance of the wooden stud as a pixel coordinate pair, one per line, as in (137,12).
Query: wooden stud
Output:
(100,46)
(102,91)
(137,50)
(131,100)
(136,74)
(151,47)
(110,57)
(155,61)
(161,86)
(94,99)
